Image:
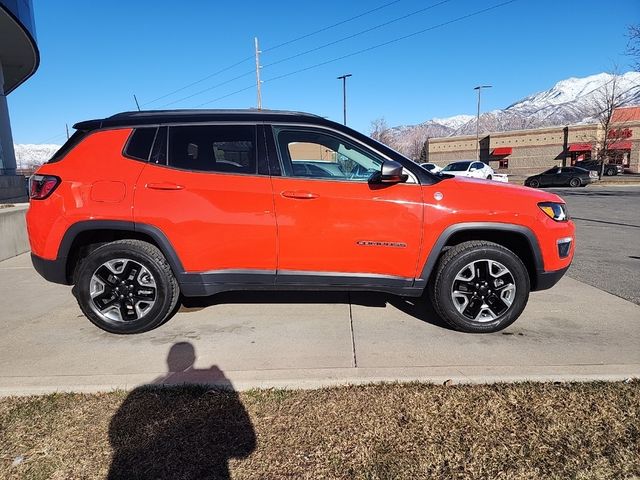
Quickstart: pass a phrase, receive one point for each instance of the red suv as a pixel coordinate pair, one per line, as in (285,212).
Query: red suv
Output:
(140,208)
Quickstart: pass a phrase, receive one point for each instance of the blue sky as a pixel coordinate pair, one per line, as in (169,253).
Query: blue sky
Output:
(96,55)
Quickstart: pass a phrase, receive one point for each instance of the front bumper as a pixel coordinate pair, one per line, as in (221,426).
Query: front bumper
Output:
(52,270)
(546,280)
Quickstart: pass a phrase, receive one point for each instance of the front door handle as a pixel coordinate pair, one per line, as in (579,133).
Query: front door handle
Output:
(299,194)
(164,186)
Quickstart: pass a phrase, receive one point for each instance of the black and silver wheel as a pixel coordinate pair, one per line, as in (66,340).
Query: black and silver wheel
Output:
(489,177)
(610,172)
(534,183)
(480,287)
(126,286)
(575,182)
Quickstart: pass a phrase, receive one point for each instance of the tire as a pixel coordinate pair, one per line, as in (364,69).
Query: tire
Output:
(489,177)
(126,286)
(610,172)
(461,264)
(575,182)
(534,183)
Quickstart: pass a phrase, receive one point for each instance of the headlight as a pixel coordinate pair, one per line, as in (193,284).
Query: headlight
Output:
(557,211)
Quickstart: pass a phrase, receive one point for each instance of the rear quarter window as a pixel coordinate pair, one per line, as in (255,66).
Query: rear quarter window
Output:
(140,142)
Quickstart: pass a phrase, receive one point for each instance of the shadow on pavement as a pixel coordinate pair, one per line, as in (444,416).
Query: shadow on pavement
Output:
(418,307)
(187,432)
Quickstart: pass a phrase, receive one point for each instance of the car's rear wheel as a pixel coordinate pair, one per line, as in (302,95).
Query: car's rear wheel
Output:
(480,287)
(575,182)
(610,172)
(534,183)
(489,177)
(126,286)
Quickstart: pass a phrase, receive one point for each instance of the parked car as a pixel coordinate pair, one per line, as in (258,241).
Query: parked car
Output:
(562,177)
(431,167)
(469,168)
(610,169)
(142,208)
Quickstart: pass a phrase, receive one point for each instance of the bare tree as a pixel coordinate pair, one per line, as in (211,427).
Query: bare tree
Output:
(633,45)
(607,100)
(380,131)
(416,144)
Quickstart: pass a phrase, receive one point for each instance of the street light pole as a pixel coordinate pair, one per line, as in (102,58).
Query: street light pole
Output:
(344,95)
(479,89)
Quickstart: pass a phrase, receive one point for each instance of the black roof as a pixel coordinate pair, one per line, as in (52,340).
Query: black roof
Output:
(155,117)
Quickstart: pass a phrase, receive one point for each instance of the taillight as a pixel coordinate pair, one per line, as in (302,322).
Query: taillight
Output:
(41,186)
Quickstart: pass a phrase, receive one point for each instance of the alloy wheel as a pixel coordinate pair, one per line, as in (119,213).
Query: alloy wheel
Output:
(483,290)
(122,290)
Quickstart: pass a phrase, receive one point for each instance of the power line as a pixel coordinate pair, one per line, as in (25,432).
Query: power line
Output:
(246,59)
(373,47)
(324,29)
(404,37)
(362,32)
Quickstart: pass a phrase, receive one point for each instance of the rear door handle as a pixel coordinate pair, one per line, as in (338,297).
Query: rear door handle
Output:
(299,194)
(164,186)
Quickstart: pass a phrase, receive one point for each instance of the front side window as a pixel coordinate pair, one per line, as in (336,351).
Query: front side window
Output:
(314,154)
(213,148)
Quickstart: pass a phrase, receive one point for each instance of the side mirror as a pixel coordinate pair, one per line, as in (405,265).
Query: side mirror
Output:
(390,172)
(473,169)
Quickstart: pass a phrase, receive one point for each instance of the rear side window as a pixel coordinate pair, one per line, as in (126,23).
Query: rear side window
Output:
(140,143)
(213,148)
(74,140)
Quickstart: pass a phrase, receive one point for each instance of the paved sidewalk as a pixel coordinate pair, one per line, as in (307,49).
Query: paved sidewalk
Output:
(572,332)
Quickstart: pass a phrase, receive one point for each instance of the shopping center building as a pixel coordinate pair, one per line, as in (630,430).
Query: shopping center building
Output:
(19,59)
(525,152)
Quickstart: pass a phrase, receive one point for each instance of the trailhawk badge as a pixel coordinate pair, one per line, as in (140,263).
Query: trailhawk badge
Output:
(373,243)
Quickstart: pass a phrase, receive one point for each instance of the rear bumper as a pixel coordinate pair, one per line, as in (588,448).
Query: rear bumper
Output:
(52,270)
(546,280)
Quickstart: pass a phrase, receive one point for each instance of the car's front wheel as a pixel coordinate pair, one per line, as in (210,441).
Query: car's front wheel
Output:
(610,172)
(534,183)
(126,286)
(575,182)
(480,287)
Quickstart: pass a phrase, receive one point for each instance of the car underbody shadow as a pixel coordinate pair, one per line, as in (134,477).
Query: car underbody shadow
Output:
(418,307)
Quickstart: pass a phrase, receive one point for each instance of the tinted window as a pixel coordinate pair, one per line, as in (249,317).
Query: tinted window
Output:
(457,167)
(478,165)
(139,145)
(213,148)
(313,154)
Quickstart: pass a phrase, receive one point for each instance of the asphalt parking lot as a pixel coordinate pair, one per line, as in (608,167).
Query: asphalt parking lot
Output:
(608,238)
(576,331)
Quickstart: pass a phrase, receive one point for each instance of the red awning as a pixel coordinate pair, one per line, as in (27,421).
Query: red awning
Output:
(624,145)
(580,147)
(502,151)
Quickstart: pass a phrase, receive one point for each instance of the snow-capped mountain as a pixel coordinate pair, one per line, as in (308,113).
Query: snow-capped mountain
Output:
(30,155)
(570,101)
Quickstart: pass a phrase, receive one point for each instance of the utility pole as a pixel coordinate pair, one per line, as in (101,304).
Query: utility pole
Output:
(479,89)
(258,82)
(344,95)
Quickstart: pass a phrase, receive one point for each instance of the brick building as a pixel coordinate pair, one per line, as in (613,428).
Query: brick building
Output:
(525,152)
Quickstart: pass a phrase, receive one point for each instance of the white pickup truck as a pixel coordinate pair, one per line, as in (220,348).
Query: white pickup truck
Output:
(474,169)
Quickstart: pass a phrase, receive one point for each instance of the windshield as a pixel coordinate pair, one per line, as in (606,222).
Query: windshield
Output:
(457,167)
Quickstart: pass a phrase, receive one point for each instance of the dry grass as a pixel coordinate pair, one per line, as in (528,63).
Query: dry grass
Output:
(374,432)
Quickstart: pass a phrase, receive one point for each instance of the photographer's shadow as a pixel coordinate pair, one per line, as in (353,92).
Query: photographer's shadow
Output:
(190,431)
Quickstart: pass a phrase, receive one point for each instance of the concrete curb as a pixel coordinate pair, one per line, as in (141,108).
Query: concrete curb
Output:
(293,379)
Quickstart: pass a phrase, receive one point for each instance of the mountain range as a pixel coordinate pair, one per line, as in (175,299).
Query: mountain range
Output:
(568,102)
